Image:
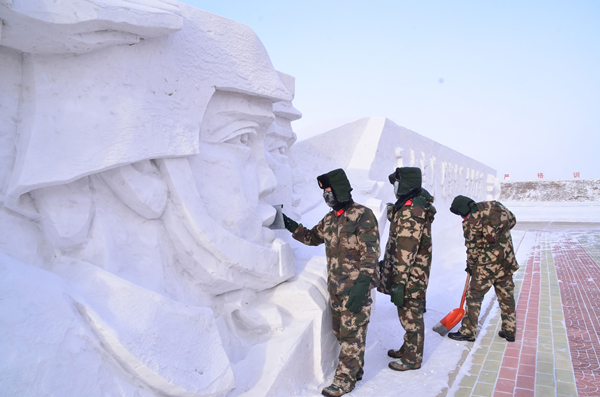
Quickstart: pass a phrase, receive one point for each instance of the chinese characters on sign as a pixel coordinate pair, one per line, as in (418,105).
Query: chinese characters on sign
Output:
(506,176)
(577,174)
(540,175)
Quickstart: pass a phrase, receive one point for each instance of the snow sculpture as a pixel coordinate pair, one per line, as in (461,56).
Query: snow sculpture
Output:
(134,206)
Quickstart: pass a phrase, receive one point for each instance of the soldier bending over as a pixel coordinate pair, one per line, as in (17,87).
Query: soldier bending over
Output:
(490,262)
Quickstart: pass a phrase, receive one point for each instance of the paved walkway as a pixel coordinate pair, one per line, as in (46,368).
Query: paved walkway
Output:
(557,347)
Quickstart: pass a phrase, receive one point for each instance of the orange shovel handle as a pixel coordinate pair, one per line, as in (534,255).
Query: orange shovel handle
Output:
(464,296)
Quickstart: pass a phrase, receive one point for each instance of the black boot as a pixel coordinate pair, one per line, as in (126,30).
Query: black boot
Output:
(458,336)
(395,353)
(508,338)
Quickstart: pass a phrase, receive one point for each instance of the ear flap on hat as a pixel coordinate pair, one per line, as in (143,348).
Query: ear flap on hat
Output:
(395,176)
(338,182)
(324,182)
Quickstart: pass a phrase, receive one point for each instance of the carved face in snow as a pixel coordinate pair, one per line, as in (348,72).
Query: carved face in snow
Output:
(278,141)
(230,171)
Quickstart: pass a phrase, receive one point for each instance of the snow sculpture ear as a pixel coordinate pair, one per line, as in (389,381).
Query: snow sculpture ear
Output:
(66,212)
(140,187)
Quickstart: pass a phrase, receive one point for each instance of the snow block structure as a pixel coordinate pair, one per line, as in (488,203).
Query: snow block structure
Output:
(370,149)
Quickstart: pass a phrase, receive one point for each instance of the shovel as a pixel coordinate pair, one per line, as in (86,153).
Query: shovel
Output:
(452,318)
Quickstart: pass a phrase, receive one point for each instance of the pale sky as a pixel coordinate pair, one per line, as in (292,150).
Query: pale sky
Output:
(513,84)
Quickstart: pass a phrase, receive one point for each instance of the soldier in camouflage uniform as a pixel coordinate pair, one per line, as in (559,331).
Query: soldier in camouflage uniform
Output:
(490,262)
(407,262)
(351,238)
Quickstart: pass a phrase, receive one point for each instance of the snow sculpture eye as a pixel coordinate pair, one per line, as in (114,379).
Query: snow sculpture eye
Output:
(241,137)
(279,151)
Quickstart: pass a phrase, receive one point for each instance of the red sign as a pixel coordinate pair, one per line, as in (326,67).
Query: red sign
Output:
(506,176)
(540,175)
(576,174)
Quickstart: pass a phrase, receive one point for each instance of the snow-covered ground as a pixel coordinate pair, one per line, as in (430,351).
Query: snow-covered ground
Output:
(556,212)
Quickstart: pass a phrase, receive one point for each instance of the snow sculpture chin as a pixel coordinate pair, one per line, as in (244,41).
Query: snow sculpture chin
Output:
(138,173)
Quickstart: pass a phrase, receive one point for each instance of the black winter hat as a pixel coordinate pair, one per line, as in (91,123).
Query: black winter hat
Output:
(338,182)
(409,178)
(462,205)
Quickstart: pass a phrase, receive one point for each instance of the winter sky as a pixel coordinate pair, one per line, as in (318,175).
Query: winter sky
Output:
(513,84)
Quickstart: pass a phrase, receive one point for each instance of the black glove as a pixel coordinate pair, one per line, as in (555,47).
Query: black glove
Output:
(468,270)
(289,223)
(397,294)
(358,293)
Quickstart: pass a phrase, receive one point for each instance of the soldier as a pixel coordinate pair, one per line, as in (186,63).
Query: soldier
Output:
(490,262)
(407,262)
(351,238)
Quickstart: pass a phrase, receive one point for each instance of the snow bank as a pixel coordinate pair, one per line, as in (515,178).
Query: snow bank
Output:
(575,190)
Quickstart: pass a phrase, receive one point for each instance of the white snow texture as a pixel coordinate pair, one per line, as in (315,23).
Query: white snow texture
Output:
(142,146)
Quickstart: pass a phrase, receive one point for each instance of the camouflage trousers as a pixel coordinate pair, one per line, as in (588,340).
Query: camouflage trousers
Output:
(505,292)
(411,318)
(350,329)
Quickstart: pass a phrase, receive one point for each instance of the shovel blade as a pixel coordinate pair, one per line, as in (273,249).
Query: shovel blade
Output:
(453,318)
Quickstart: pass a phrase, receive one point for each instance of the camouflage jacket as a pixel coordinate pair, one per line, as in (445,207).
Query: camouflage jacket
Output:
(407,258)
(351,244)
(488,240)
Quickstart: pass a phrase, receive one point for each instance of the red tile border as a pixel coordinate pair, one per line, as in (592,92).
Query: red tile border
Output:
(526,370)
(518,366)
(526,382)
(510,362)
(508,374)
(524,393)
(505,385)
(528,360)
(578,273)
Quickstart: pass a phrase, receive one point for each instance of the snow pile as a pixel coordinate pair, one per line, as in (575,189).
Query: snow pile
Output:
(575,190)
(555,201)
